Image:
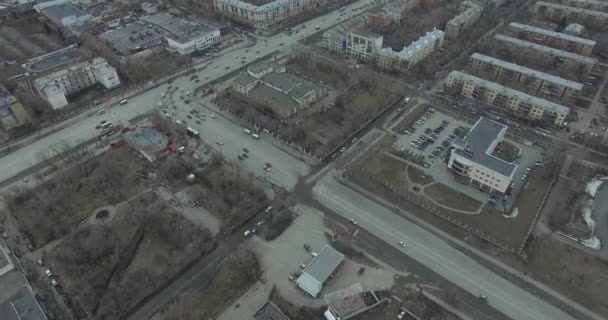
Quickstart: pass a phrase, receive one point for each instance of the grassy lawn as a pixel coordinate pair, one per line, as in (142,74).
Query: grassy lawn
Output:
(451,198)
(418,176)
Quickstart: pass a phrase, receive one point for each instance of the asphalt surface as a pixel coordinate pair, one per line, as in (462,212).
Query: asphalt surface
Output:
(434,253)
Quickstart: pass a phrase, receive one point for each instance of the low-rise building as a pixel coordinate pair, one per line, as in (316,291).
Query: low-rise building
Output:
(582,63)
(557,12)
(264,15)
(319,270)
(280,91)
(574,29)
(558,40)
(149,8)
(469,13)
(471,158)
(55,86)
(411,55)
(519,103)
(194,41)
(537,82)
(65,15)
(12,113)
(134,37)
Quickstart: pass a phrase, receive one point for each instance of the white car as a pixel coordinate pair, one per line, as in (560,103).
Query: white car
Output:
(48,273)
(212,116)
(352,221)
(219,143)
(246,233)
(401,243)
(268,210)
(54,282)
(314,254)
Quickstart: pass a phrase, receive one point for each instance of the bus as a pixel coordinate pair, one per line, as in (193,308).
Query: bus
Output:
(193,133)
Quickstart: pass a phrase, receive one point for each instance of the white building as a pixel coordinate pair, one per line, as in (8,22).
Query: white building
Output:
(353,42)
(263,15)
(55,86)
(412,54)
(471,158)
(197,40)
(319,270)
(393,11)
(469,14)
(65,15)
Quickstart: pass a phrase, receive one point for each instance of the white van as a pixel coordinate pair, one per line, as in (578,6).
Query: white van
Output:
(247,131)
(255,136)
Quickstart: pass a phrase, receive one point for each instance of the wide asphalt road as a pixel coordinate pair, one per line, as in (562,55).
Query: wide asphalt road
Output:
(434,253)
(288,168)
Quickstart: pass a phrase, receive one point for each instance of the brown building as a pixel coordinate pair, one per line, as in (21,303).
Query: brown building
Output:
(552,39)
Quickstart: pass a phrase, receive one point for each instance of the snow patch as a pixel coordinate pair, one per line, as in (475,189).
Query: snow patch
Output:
(594,185)
(591,188)
(513,214)
(592,243)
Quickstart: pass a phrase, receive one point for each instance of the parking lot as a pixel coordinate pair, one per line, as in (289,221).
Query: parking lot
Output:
(431,135)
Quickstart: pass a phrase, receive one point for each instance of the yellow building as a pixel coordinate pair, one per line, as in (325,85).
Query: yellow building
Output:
(12,113)
(552,39)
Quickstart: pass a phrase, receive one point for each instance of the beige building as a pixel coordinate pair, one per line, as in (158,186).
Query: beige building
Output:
(519,103)
(358,44)
(586,4)
(469,13)
(536,51)
(539,83)
(264,15)
(551,39)
(556,12)
(411,55)
(471,159)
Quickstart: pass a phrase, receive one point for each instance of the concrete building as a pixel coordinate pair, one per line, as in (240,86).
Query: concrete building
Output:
(551,39)
(574,29)
(280,91)
(264,15)
(55,86)
(65,15)
(195,41)
(557,12)
(469,13)
(539,83)
(45,4)
(411,55)
(519,103)
(12,113)
(149,8)
(151,143)
(269,311)
(352,42)
(536,51)
(586,4)
(319,270)
(393,10)
(134,37)
(471,159)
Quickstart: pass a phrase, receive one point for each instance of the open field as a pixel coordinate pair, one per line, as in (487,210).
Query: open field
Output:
(234,275)
(113,261)
(451,198)
(55,208)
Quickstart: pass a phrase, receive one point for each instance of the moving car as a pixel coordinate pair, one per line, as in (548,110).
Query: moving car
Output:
(401,243)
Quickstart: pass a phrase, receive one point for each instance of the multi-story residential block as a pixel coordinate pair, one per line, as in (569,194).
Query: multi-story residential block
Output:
(557,12)
(469,13)
(539,83)
(352,42)
(552,39)
(519,103)
(472,159)
(584,64)
(280,91)
(586,4)
(393,10)
(264,15)
(412,54)
(574,29)
(65,15)
(55,86)
(12,113)
(194,41)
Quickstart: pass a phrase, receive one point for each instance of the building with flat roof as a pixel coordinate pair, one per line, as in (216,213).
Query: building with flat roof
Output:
(557,12)
(558,40)
(586,4)
(65,15)
(583,63)
(319,270)
(282,92)
(12,113)
(264,15)
(55,86)
(134,37)
(352,40)
(184,36)
(471,158)
(411,55)
(574,29)
(269,311)
(540,83)
(17,301)
(519,103)
(469,13)
(150,142)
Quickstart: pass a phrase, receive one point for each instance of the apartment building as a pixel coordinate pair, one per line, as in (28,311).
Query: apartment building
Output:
(551,39)
(55,86)
(586,4)
(471,158)
(264,15)
(411,55)
(583,63)
(12,113)
(556,12)
(519,103)
(539,83)
(393,11)
(200,39)
(352,42)
(469,13)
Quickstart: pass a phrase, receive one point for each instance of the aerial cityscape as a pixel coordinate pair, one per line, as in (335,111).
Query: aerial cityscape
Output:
(303,159)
